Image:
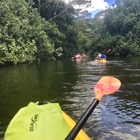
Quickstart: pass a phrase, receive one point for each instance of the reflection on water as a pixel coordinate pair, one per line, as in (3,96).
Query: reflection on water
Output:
(71,83)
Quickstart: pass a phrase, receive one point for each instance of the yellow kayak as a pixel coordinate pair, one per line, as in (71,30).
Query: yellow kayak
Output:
(100,60)
(81,135)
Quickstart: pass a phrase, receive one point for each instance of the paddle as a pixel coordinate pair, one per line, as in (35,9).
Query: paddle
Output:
(108,50)
(103,53)
(106,85)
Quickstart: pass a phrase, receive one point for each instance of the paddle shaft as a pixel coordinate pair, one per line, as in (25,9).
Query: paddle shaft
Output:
(82,120)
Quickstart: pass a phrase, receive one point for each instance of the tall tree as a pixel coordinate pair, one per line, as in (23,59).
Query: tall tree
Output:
(24,34)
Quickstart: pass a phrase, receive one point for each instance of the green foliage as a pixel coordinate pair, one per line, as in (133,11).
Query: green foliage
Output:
(62,15)
(119,31)
(47,30)
(16,53)
(25,36)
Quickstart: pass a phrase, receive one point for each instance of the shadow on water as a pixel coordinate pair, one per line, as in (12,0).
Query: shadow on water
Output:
(71,83)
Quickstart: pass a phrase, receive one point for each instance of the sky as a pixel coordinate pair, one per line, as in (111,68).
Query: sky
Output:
(100,6)
(95,7)
(110,2)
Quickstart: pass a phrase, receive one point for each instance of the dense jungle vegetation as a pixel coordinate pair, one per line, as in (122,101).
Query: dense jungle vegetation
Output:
(51,29)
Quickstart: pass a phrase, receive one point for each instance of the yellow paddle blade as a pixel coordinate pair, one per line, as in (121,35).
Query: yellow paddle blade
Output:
(108,50)
(107,85)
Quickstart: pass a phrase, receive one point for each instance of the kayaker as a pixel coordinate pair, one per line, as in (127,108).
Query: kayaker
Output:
(84,55)
(78,56)
(101,56)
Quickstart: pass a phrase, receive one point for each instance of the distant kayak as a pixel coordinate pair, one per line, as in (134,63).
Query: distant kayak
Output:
(100,60)
(45,122)
(78,58)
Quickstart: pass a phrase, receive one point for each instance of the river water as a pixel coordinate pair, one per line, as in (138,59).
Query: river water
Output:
(71,84)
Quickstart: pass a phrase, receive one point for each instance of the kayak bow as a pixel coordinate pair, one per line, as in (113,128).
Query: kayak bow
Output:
(45,122)
(81,135)
(100,60)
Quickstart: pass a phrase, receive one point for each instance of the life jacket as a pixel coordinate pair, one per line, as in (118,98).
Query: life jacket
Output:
(102,56)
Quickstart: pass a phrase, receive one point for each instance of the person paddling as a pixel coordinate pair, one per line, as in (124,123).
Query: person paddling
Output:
(78,56)
(101,56)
